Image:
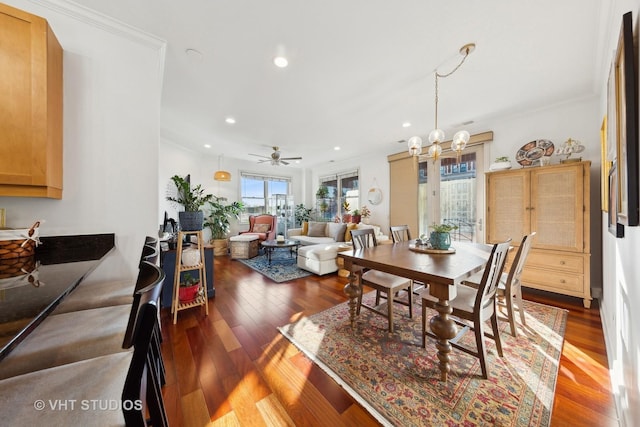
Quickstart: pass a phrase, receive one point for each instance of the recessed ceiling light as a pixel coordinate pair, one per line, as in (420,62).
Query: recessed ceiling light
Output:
(406,124)
(207,146)
(230,120)
(280,61)
(336,148)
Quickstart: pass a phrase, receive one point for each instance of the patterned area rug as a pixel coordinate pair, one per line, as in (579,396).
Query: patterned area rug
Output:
(397,381)
(282,269)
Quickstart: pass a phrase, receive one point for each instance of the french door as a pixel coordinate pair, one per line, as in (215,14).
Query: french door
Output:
(451,192)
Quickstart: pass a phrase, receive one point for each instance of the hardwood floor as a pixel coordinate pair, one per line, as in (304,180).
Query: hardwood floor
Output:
(233,368)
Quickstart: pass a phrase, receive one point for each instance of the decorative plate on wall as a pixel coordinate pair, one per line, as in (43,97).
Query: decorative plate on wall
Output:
(532,151)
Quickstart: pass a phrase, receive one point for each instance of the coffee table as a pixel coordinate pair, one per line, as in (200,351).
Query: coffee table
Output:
(271,245)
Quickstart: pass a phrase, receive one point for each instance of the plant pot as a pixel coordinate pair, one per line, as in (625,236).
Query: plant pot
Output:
(219,247)
(191,221)
(356,219)
(440,240)
(188,294)
(190,257)
(346,218)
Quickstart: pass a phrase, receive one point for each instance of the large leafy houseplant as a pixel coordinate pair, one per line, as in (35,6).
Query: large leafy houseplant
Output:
(192,199)
(219,216)
(302,214)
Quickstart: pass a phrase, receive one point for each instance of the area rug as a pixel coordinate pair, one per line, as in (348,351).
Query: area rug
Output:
(398,381)
(282,269)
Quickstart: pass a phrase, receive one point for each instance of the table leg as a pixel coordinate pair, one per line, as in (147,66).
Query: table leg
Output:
(353,291)
(269,250)
(444,328)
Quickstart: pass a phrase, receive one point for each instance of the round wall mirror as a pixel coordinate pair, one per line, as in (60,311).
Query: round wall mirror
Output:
(374,196)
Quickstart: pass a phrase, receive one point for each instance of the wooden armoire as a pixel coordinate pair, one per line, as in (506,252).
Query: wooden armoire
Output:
(553,201)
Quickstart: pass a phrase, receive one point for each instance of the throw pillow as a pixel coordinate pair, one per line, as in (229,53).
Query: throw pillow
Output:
(336,231)
(261,228)
(305,228)
(347,233)
(317,229)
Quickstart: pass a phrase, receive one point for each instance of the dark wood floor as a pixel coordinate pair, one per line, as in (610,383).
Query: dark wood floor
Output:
(234,368)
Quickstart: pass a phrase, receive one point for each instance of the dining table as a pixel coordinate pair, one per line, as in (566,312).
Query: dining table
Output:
(443,271)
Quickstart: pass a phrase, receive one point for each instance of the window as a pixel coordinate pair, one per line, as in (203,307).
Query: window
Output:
(256,191)
(341,187)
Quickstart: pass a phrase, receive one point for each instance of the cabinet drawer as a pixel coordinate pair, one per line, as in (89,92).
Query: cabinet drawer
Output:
(552,280)
(556,261)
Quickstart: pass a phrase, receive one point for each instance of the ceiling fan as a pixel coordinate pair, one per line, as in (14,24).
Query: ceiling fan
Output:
(275,158)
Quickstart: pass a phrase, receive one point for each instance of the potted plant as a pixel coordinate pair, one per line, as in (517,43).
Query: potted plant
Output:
(302,214)
(356,216)
(365,213)
(501,163)
(218,222)
(192,199)
(440,237)
(189,288)
(346,216)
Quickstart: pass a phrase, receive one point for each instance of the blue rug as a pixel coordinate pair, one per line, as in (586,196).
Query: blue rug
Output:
(282,269)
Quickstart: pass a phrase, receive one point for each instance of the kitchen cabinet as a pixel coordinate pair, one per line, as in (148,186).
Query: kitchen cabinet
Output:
(553,201)
(31,106)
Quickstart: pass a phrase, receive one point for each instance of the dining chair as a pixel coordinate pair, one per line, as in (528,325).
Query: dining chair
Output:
(106,293)
(475,305)
(383,283)
(85,387)
(400,233)
(510,286)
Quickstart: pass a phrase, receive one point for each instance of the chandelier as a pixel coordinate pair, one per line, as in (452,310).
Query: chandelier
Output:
(436,136)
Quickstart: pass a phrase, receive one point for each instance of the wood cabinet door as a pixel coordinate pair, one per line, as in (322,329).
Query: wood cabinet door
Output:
(31,105)
(557,207)
(508,214)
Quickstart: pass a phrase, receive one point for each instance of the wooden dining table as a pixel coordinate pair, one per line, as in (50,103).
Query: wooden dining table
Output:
(442,271)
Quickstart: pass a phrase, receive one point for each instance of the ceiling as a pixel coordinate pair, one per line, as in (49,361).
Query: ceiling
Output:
(359,69)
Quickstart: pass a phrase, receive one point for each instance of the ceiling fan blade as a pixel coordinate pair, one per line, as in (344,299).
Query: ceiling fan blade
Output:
(290,158)
(283,162)
(260,155)
(264,161)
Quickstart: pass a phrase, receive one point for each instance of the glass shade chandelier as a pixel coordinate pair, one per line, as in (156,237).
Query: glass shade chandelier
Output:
(436,136)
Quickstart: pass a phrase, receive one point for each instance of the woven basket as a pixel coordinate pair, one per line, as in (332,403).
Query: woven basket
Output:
(19,243)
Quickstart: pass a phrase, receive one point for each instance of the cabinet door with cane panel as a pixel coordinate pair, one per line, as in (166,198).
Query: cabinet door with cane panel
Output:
(553,201)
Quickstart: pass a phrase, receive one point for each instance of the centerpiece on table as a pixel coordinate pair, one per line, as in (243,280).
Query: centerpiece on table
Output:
(440,237)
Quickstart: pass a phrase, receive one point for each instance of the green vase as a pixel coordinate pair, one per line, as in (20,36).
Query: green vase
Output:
(440,240)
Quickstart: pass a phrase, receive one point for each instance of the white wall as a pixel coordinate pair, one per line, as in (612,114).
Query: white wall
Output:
(621,270)
(112,81)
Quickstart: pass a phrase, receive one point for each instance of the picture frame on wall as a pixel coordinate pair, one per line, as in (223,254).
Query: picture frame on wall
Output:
(628,209)
(614,226)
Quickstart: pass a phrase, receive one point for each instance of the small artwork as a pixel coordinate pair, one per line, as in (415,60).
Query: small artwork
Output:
(628,208)
(615,227)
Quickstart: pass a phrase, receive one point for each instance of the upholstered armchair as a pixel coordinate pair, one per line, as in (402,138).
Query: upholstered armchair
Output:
(262,225)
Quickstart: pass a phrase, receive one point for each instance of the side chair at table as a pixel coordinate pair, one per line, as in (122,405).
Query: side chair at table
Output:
(400,233)
(510,286)
(475,305)
(383,283)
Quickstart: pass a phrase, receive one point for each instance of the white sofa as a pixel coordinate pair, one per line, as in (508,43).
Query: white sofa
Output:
(329,232)
(320,246)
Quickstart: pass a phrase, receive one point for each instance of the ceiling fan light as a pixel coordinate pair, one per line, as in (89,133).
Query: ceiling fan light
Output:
(222,176)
